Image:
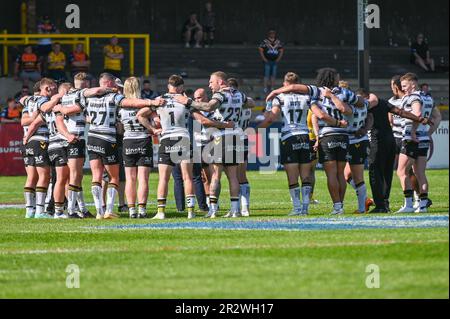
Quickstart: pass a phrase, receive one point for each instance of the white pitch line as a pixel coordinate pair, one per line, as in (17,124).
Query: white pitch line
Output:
(166,248)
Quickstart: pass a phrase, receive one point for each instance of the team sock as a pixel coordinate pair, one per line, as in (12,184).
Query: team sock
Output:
(190,203)
(72,199)
(80,200)
(409,198)
(97,194)
(30,200)
(351,182)
(162,205)
(361,192)
(306,193)
(423,200)
(59,208)
(234,204)
(41,193)
(48,196)
(207,200)
(294,190)
(213,203)
(111,194)
(244,196)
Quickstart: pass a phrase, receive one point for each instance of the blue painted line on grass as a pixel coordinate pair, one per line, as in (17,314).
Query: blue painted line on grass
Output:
(300,224)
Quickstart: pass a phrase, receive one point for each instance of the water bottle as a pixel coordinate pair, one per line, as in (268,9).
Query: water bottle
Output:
(442,61)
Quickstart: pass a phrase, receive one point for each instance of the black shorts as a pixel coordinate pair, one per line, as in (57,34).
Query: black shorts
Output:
(296,150)
(226,150)
(137,152)
(398,145)
(415,150)
(100,149)
(311,148)
(333,148)
(173,151)
(358,153)
(76,150)
(58,157)
(36,154)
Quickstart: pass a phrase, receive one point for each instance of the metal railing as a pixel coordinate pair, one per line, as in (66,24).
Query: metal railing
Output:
(23,39)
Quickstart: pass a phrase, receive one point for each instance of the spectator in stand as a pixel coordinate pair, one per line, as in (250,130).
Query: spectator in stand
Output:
(271,51)
(79,60)
(56,63)
(27,67)
(192,31)
(12,113)
(420,54)
(425,88)
(209,25)
(113,53)
(44,46)
(25,91)
(147,92)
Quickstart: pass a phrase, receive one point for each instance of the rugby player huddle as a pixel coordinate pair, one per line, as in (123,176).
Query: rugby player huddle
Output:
(324,119)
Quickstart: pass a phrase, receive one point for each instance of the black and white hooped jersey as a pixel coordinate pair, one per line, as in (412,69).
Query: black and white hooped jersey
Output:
(427,104)
(397,121)
(31,105)
(294,109)
(102,111)
(244,121)
(132,128)
(56,140)
(202,134)
(230,109)
(75,123)
(327,106)
(174,118)
(357,121)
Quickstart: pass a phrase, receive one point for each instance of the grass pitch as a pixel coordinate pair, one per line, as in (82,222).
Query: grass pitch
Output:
(144,262)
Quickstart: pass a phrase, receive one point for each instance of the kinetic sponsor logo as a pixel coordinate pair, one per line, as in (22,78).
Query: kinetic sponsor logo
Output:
(337,144)
(96,148)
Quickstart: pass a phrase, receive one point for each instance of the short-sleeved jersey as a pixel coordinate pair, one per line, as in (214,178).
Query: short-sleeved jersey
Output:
(132,128)
(294,110)
(56,139)
(357,121)
(202,134)
(75,123)
(427,104)
(174,118)
(397,121)
(102,111)
(230,109)
(327,106)
(271,49)
(244,121)
(31,105)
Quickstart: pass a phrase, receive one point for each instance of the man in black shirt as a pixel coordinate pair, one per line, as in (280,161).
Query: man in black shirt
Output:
(147,92)
(382,149)
(420,54)
(271,51)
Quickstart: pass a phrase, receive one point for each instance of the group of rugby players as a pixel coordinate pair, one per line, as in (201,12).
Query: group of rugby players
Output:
(322,118)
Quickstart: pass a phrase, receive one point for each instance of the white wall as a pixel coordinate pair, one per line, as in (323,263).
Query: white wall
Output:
(439,158)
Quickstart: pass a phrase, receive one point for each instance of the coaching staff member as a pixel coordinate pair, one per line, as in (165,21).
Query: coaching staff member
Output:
(382,149)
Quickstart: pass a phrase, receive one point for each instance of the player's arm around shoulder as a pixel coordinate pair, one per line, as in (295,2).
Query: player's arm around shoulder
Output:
(216,100)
